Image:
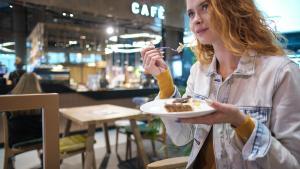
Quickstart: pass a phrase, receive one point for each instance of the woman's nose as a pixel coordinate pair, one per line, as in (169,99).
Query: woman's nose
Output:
(197,19)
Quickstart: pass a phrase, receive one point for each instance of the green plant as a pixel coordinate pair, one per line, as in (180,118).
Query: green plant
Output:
(155,126)
(181,89)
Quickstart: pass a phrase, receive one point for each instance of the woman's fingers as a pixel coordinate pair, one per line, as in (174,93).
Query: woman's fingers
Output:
(225,108)
(206,119)
(225,113)
(217,105)
(144,50)
(150,55)
(162,64)
(153,61)
(147,50)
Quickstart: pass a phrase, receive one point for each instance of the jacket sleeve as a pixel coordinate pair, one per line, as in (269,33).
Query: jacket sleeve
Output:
(180,133)
(279,145)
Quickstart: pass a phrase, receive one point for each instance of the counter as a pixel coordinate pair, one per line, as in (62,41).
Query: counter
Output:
(98,95)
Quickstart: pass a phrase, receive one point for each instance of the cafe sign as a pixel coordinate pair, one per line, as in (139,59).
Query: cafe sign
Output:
(146,10)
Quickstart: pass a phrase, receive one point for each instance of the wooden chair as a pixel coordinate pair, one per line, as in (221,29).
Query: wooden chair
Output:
(18,149)
(73,145)
(121,129)
(68,145)
(148,131)
(49,103)
(169,163)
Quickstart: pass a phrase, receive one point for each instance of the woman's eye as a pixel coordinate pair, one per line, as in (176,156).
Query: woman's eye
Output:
(191,14)
(204,7)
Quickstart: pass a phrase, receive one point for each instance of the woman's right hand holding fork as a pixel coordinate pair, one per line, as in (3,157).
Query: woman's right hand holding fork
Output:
(153,61)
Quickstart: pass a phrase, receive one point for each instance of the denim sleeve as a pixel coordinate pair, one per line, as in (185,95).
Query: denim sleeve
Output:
(259,142)
(279,145)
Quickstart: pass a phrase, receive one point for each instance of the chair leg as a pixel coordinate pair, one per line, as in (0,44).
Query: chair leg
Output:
(94,161)
(82,159)
(11,163)
(117,138)
(5,161)
(165,147)
(153,147)
(166,151)
(127,148)
(130,150)
(8,162)
(40,154)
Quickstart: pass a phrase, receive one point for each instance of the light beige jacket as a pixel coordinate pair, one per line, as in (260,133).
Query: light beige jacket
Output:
(265,87)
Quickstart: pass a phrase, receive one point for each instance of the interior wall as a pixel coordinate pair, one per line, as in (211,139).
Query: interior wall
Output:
(174,9)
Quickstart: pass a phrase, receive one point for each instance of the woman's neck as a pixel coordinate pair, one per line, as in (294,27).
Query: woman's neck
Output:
(227,62)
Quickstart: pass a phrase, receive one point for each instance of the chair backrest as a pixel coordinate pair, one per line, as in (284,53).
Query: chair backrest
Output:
(5,130)
(23,129)
(50,104)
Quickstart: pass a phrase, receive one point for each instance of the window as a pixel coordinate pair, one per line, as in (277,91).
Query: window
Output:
(55,57)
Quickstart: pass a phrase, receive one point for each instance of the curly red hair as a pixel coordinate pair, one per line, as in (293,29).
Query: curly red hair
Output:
(243,29)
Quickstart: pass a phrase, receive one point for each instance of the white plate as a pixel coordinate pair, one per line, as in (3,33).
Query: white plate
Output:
(156,107)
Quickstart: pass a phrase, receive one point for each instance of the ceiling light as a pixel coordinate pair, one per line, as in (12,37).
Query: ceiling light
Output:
(109,30)
(108,51)
(64,14)
(71,15)
(135,46)
(113,38)
(4,46)
(156,38)
(7,44)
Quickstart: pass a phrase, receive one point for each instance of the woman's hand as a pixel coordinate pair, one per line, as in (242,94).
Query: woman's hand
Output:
(225,113)
(153,61)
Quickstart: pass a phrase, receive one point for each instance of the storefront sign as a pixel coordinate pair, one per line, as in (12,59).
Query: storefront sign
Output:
(145,10)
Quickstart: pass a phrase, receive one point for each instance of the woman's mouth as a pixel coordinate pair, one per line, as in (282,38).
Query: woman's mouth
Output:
(201,31)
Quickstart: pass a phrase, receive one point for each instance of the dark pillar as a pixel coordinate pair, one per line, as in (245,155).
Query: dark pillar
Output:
(19,28)
(171,38)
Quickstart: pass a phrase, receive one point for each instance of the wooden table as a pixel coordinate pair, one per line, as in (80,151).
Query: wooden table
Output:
(92,115)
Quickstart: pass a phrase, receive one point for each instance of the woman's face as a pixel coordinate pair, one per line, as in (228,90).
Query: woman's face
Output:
(197,10)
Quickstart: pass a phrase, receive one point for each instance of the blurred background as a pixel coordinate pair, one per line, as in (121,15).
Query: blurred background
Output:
(94,45)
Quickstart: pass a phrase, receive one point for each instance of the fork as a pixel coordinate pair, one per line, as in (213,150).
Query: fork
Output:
(166,47)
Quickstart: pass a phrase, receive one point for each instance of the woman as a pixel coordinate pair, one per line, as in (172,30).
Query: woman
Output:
(25,126)
(242,67)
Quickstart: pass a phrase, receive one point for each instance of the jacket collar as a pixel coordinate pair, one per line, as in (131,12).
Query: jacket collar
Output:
(246,65)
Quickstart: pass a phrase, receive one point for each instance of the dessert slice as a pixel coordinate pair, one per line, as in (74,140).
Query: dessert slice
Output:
(178,107)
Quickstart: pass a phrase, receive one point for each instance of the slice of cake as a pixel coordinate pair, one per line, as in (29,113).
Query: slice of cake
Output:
(179,105)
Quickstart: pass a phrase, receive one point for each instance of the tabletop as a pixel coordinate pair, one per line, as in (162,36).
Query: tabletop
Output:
(90,115)
(99,113)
